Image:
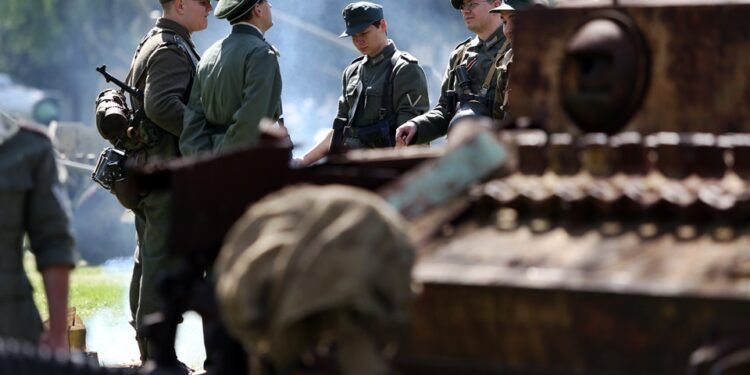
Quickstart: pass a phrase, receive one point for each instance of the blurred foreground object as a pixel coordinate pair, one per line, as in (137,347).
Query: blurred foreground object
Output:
(275,283)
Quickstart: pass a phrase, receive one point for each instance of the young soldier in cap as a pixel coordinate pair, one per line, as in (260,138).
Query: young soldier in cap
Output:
(381,89)
(470,77)
(507,11)
(32,202)
(163,68)
(237,85)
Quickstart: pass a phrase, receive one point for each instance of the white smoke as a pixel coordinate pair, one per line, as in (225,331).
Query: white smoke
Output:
(109,334)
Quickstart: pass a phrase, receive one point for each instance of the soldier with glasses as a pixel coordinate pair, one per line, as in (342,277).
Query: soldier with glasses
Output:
(470,79)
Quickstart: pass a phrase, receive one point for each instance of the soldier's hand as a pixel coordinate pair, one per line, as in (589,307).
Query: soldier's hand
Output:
(57,341)
(133,132)
(405,133)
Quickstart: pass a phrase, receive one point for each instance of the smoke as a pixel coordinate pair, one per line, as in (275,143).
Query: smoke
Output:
(109,334)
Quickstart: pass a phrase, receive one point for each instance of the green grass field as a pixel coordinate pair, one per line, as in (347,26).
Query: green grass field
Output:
(99,296)
(92,289)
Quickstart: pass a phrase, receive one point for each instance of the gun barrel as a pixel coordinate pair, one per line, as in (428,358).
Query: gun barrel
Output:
(109,78)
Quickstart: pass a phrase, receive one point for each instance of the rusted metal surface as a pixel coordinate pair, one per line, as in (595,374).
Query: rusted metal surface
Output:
(210,194)
(699,65)
(622,265)
(533,330)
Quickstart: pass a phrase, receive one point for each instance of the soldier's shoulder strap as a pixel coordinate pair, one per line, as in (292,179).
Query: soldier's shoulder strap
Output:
(408,57)
(459,51)
(172,38)
(456,57)
(186,48)
(354,66)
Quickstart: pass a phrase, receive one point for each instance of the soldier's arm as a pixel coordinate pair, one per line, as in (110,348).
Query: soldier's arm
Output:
(343,108)
(52,244)
(410,95)
(260,98)
(56,286)
(434,124)
(196,134)
(168,77)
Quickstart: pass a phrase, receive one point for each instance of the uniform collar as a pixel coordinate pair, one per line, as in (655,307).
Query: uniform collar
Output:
(8,128)
(253,26)
(244,28)
(495,39)
(387,53)
(166,23)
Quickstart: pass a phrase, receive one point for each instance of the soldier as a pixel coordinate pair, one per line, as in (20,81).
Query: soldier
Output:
(470,78)
(237,85)
(507,11)
(32,201)
(381,89)
(163,68)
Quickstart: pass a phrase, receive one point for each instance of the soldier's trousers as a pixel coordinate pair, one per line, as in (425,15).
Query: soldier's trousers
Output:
(151,257)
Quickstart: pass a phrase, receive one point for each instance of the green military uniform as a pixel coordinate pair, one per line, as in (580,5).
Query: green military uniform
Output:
(480,58)
(32,202)
(500,107)
(163,67)
(365,83)
(378,93)
(238,83)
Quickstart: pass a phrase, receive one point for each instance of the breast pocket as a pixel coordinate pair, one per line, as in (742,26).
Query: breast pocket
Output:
(14,185)
(373,101)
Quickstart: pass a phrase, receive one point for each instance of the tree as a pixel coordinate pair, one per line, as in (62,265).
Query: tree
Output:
(55,44)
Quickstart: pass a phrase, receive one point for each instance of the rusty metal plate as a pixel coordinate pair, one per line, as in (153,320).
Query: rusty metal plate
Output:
(699,66)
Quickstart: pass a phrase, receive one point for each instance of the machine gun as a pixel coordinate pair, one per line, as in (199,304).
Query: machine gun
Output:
(109,78)
(115,121)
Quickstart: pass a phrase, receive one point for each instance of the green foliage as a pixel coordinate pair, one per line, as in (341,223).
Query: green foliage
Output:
(55,44)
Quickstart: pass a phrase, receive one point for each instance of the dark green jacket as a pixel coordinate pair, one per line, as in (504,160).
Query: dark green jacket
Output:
(500,107)
(409,96)
(32,202)
(163,67)
(238,83)
(479,57)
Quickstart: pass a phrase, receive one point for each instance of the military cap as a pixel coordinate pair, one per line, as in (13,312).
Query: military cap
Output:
(512,6)
(359,15)
(234,10)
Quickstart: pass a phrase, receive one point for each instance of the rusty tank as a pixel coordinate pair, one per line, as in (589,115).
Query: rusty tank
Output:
(617,243)
(601,231)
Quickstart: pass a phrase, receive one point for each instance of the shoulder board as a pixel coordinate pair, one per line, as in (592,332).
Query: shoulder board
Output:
(273,51)
(408,57)
(358,59)
(32,128)
(459,45)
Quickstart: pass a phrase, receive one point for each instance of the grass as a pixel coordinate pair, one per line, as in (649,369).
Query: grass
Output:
(92,289)
(98,294)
